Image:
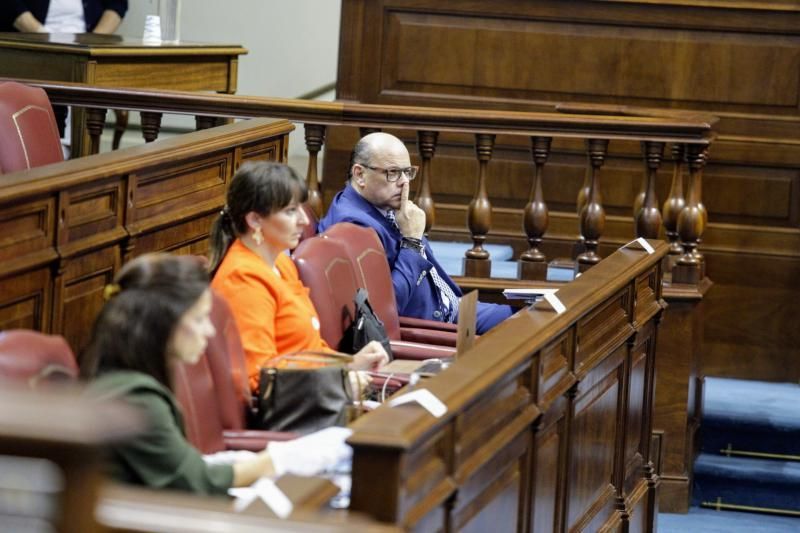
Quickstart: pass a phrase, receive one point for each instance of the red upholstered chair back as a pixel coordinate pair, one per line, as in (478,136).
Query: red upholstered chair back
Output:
(28,132)
(228,366)
(197,396)
(365,250)
(325,268)
(33,357)
(313,222)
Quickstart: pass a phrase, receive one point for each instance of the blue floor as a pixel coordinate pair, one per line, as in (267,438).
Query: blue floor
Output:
(451,256)
(710,521)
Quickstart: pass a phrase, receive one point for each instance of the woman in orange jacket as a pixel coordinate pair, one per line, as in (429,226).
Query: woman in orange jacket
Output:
(275,316)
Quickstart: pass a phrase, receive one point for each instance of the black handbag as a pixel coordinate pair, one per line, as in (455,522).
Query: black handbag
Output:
(303,399)
(366,327)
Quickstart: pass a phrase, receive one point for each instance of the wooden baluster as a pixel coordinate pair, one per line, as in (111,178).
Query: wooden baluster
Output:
(95,122)
(583,195)
(426,142)
(593,216)
(648,217)
(532,264)
(366,130)
(120,125)
(204,122)
(692,220)
(675,202)
(477,262)
(151,125)
(638,201)
(315,138)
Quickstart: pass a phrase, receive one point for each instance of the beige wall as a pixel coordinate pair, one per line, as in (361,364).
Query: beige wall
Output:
(293,48)
(293,44)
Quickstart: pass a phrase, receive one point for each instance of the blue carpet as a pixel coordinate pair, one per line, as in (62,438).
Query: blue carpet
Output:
(751,418)
(711,521)
(746,481)
(451,254)
(456,250)
(768,421)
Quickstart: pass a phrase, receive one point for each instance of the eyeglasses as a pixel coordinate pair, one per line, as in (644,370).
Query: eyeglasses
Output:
(393,174)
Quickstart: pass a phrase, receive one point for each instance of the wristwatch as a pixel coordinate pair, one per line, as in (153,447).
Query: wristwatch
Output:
(412,244)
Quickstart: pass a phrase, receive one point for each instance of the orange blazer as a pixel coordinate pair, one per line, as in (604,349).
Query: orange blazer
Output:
(273,312)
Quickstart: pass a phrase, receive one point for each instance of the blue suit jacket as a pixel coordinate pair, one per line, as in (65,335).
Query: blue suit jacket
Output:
(416,293)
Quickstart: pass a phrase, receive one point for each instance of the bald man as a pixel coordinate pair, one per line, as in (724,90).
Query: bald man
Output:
(376,196)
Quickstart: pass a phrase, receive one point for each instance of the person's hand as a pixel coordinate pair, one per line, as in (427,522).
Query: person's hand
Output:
(359,381)
(410,218)
(369,357)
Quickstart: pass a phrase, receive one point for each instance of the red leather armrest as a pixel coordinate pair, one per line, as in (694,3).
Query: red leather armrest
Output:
(254,440)
(417,351)
(429,336)
(409,322)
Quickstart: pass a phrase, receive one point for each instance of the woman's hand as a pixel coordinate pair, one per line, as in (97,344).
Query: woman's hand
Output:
(359,381)
(370,357)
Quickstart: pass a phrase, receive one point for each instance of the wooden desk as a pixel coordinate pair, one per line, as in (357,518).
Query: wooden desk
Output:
(548,422)
(114,61)
(70,226)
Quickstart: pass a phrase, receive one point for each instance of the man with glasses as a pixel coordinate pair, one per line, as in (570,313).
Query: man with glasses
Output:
(376,196)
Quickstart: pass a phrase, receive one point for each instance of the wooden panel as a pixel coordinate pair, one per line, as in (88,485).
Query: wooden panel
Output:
(593,444)
(189,237)
(167,193)
(547,501)
(647,292)
(25,300)
(25,228)
(555,362)
(272,150)
(473,44)
(93,213)
(169,74)
(637,434)
(426,483)
(490,434)
(82,298)
(601,331)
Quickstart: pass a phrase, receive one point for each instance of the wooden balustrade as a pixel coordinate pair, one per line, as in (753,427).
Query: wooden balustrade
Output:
(598,125)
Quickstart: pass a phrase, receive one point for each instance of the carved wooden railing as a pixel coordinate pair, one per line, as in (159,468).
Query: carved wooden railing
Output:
(688,134)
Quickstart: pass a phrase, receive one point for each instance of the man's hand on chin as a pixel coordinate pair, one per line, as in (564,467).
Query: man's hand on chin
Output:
(410,218)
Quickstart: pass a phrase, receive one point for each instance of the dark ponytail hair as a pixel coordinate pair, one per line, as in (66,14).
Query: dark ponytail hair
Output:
(260,186)
(147,300)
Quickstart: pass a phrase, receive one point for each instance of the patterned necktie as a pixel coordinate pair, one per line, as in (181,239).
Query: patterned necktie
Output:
(440,283)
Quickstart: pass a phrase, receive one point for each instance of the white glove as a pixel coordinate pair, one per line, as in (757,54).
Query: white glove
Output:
(311,454)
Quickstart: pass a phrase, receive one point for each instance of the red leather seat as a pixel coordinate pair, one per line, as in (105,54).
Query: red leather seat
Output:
(33,357)
(365,250)
(313,222)
(325,268)
(214,393)
(28,132)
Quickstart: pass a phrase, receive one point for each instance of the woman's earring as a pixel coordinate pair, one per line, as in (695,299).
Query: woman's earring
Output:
(258,237)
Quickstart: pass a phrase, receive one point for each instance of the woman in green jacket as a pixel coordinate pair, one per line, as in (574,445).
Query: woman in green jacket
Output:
(158,312)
